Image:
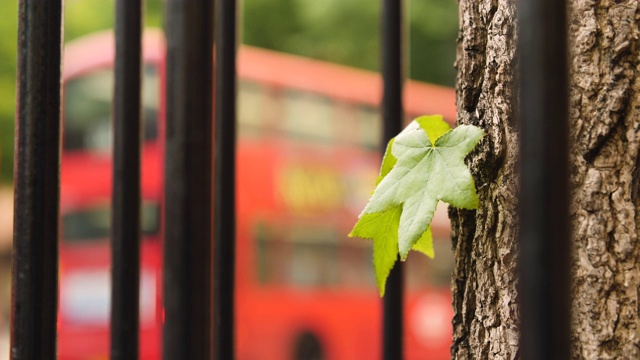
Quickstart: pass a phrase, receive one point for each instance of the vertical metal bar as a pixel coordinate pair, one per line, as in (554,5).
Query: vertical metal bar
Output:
(224,181)
(125,250)
(187,248)
(392,117)
(544,197)
(34,301)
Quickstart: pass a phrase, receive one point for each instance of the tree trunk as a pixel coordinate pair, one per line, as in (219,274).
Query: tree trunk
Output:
(605,115)
(485,324)
(605,125)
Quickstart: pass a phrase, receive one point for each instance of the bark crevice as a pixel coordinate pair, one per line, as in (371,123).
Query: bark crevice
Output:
(605,178)
(485,320)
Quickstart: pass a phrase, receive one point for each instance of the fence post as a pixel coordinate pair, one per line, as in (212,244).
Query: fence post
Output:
(187,248)
(224,181)
(544,197)
(392,118)
(34,302)
(125,229)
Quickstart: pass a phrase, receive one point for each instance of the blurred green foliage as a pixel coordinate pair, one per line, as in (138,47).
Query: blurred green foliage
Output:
(81,17)
(8,43)
(342,31)
(348,32)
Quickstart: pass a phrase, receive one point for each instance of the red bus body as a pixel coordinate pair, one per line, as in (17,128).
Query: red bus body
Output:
(298,276)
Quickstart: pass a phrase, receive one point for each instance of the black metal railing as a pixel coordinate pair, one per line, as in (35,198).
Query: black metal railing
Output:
(224,182)
(125,230)
(198,293)
(34,301)
(392,121)
(544,191)
(188,167)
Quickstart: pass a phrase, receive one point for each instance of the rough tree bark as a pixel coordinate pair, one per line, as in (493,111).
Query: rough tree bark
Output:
(605,134)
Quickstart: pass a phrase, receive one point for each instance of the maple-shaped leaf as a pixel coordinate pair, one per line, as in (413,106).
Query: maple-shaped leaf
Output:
(382,227)
(430,167)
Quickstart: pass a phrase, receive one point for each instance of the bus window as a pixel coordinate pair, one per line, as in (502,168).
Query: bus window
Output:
(298,256)
(370,127)
(91,224)
(355,263)
(273,251)
(309,116)
(85,297)
(312,257)
(422,271)
(251,97)
(87,109)
(346,124)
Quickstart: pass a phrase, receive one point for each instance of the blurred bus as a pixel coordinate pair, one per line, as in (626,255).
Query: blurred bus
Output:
(307,160)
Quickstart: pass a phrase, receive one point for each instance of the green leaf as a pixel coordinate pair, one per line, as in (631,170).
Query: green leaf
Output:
(433,125)
(388,161)
(425,244)
(382,227)
(430,167)
(414,150)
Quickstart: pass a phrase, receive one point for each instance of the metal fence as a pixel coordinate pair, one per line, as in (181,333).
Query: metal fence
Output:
(199,304)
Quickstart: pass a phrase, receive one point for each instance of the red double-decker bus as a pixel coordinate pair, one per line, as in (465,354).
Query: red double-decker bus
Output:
(307,161)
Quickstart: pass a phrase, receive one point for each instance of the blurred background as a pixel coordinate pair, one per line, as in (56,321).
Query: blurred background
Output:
(336,31)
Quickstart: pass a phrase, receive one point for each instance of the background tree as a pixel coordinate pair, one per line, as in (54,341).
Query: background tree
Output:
(81,17)
(8,43)
(348,32)
(345,32)
(605,134)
